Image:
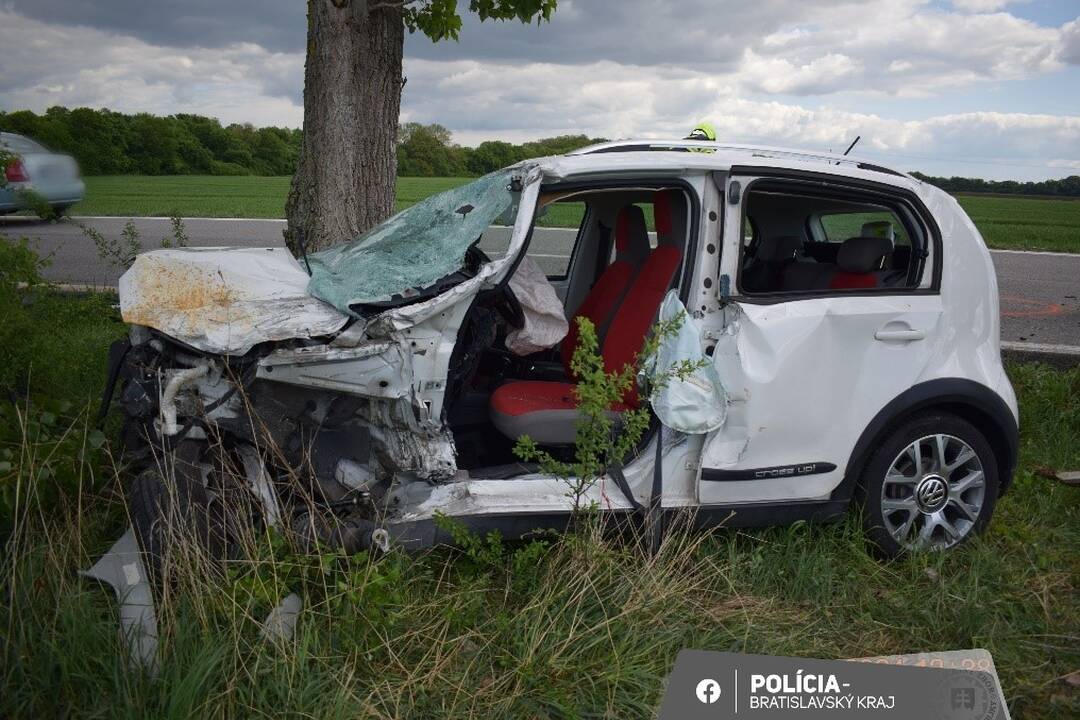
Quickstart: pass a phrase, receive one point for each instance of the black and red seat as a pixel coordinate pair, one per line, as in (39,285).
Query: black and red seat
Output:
(546,411)
(860,263)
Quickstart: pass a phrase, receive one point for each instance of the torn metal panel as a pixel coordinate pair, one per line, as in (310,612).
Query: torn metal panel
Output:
(405,440)
(224,300)
(381,369)
(260,484)
(122,568)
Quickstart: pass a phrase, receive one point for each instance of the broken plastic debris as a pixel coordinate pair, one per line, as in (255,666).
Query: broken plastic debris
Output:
(121,568)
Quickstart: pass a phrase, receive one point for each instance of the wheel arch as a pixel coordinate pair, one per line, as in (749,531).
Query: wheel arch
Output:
(970,400)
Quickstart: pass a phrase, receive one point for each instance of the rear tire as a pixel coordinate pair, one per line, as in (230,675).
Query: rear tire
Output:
(931,484)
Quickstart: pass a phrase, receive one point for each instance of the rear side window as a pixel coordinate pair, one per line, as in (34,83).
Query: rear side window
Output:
(821,242)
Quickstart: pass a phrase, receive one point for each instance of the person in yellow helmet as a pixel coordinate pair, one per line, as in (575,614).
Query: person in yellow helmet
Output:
(702,131)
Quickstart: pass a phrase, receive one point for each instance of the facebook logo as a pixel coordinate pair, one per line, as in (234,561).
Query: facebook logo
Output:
(708,691)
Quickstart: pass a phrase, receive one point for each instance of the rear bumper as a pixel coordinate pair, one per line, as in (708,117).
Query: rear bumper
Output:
(65,193)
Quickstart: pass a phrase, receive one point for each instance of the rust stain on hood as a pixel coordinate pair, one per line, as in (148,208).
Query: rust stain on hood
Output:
(224,300)
(180,289)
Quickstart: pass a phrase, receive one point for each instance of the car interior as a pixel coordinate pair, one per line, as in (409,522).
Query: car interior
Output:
(627,254)
(813,244)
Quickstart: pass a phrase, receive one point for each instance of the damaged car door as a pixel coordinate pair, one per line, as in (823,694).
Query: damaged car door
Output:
(813,341)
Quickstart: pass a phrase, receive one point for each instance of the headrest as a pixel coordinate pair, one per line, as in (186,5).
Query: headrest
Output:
(631,235)
(669,212)
(879,228)
(779,249)
(863,254)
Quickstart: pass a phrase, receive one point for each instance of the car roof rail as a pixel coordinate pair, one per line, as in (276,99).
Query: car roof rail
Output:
(646,145)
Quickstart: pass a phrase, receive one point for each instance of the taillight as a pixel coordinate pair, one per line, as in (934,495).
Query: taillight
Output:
(16,171)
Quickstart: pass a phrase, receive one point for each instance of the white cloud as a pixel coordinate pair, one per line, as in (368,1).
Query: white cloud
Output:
(479,101)
(900,48)
(981,6)
(747,72)
(1070,42)
(44,64)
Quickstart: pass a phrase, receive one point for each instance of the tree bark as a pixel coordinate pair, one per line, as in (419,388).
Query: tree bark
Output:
(345,176)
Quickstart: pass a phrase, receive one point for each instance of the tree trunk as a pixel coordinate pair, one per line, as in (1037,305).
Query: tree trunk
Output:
(344,181)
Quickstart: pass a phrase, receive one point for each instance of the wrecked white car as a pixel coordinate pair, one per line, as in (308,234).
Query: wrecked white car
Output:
(847,313)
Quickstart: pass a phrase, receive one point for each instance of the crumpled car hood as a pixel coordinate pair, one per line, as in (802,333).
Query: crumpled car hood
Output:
(224,300)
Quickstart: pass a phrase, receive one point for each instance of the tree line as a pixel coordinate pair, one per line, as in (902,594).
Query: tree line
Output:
(112,143)
(105,142)
(1064,187)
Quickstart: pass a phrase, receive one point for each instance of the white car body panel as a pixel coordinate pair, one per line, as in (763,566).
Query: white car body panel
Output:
(804,377)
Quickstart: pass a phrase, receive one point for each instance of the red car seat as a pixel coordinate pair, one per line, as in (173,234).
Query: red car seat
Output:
(545,411)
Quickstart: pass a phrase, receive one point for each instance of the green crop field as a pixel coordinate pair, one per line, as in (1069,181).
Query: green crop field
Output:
(1006,222)
(1026,223)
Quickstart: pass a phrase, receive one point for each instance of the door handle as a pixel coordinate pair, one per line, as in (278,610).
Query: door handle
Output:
(905,335)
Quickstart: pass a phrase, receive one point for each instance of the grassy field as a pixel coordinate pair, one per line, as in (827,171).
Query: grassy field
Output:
(1026,223)
(577,626)
(1006,222)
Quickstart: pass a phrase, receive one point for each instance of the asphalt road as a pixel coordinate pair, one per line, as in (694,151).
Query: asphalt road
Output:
(1040,292)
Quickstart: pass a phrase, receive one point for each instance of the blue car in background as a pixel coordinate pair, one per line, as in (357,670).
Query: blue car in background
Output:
(53,176)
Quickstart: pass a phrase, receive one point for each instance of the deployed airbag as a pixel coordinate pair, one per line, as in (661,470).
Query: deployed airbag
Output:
(696,404)
(545,324)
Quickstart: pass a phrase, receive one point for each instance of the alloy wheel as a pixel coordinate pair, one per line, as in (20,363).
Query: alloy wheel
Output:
(933,493)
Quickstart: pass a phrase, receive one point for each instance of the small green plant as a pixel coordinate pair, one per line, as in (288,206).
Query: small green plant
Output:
(179,237)
(118,252)
(604,436)
(20,264)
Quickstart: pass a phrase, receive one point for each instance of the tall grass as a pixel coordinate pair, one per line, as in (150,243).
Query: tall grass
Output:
(583,625)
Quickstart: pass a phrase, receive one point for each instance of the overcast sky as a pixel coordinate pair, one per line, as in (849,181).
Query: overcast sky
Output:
(987,88)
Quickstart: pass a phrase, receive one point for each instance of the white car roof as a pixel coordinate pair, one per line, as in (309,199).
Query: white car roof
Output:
(673,156)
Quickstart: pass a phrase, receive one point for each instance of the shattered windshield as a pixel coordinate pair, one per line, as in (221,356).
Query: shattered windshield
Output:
(415,248)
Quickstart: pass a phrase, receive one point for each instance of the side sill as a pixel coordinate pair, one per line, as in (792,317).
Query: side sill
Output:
(421,534)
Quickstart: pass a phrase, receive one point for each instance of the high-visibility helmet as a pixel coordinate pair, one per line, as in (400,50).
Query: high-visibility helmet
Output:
(702,131)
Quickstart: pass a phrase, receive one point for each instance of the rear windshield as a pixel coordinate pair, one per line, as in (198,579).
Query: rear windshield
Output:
(408,254)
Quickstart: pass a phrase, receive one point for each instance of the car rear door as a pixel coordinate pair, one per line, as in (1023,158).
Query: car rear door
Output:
(806,370)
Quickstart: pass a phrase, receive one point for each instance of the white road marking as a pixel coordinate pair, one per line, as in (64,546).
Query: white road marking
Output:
(1046,253)
(158,217)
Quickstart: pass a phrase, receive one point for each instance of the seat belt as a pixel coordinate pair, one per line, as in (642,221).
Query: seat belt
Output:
(615,470)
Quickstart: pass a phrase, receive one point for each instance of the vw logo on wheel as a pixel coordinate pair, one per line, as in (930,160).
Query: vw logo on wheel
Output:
(931,493)
(708,691)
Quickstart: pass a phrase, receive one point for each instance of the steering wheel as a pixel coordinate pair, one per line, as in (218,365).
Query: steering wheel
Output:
(509,307)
